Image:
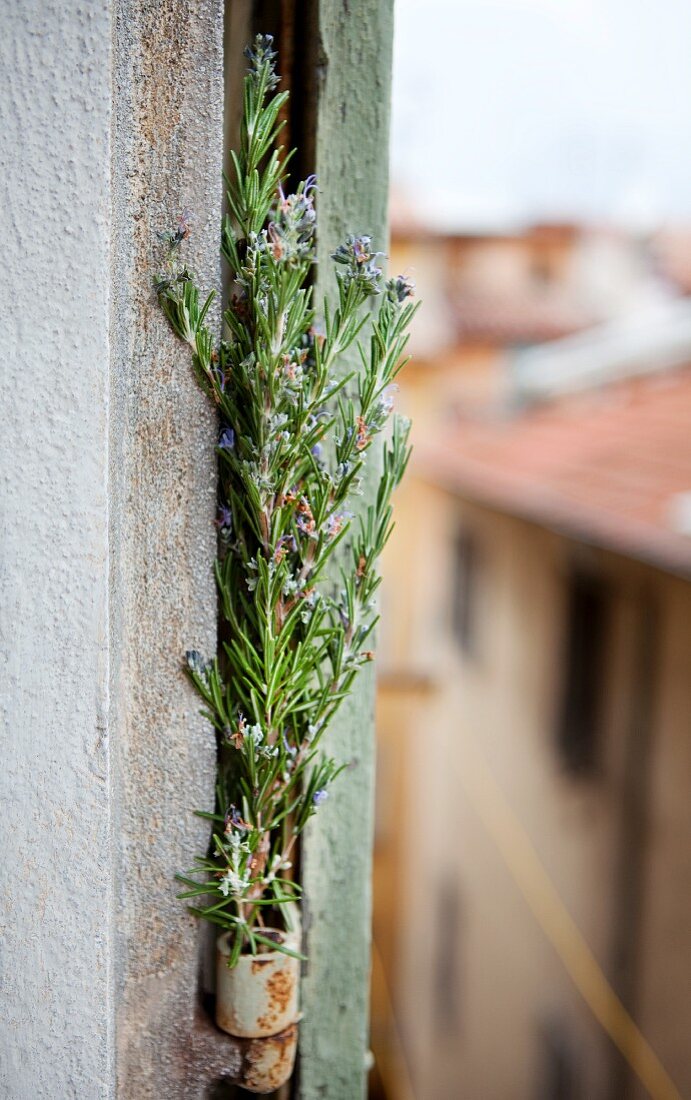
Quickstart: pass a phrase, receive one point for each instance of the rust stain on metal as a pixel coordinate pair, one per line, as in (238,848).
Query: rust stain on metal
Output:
(280,986)
(269,1062)
(280,989)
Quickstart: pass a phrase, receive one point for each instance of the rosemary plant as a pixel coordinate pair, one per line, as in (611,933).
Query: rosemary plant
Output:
(295,433)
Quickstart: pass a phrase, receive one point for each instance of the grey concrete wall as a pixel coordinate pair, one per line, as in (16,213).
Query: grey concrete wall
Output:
(111,122)
(55,870)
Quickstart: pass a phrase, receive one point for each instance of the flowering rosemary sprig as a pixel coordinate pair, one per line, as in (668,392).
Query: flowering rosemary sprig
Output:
(294,436)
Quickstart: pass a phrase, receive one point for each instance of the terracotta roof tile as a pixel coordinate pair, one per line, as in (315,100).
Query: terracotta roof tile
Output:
(605,466)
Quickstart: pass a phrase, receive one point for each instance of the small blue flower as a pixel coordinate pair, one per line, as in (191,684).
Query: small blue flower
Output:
(305,519)
(233,820)
(224,521)
(400,288)
(320,796)
(336,522)
(227,440)
(287,544)
(360,263)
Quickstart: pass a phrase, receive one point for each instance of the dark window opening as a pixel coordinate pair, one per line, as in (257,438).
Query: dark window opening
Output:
(558,1065)
(580,713)
(465,568)
(447,977)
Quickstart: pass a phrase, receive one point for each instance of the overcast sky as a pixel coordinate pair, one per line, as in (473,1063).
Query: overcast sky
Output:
(507,111)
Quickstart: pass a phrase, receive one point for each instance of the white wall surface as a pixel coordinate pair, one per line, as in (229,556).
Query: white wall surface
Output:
(110,123)
(55,867)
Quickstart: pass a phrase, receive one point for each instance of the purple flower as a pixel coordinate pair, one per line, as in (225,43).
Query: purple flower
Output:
(292,224)
(305,520)
(233,820)
(227,440)
(360,263)
(286,544)
(335,522)
(362,249)
(400,288)
(320,796)
(225,520)
(317,451)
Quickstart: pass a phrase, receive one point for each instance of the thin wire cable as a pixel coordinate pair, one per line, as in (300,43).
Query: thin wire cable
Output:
(532,879)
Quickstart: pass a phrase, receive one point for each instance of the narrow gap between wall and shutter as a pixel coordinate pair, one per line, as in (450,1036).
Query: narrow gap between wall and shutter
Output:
(293,24)
(295,27)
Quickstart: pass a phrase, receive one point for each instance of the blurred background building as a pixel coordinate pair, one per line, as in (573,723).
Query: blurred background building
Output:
(532,895)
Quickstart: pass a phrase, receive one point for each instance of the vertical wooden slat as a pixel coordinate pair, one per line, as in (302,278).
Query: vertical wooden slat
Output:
(352,73)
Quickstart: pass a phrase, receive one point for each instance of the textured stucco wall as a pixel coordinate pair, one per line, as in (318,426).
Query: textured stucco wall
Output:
(55,866)
(167,151)
(110,123)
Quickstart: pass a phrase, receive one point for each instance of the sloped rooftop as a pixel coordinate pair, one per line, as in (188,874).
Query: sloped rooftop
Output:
(610,466)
